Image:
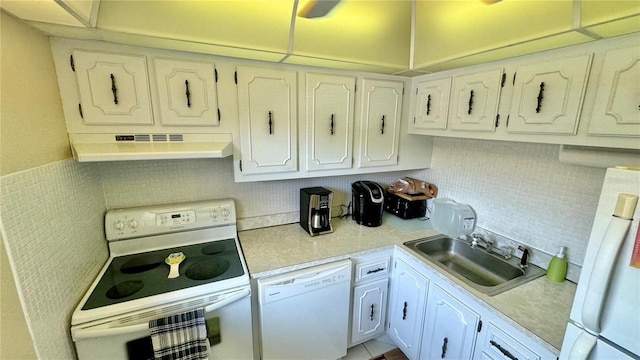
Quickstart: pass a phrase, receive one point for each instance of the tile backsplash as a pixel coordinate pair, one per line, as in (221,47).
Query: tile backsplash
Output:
(520,191)
(52,223)
(259,204)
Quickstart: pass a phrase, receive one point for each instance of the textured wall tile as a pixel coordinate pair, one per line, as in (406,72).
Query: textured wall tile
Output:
(138,183)
(520,191)
(52,220)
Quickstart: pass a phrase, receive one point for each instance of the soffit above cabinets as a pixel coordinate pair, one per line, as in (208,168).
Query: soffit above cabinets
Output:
(403,37)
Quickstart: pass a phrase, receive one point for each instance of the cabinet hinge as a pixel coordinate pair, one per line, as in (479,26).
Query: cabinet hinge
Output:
(219,118)
(504,78)
(80,110)
(235,77)
(240,165)
(497,120)
(215,73)
(514,79)
(479,325)
(73,65)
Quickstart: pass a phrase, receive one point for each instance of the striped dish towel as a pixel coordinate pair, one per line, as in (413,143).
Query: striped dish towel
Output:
(182,336)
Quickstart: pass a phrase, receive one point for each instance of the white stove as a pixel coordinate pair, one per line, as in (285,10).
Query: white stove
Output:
(135,285)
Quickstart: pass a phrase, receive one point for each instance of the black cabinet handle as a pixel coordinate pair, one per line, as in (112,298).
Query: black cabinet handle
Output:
(332,124)
(186,84)
(114,89)
(470,102)
(404,311)
(540,97)
(371,316)
(270,124)
(428,104)
(504,351)
(444,347)
(374,271)
(382,128)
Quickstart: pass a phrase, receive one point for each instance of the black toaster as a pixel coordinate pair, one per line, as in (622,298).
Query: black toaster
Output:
(405,206)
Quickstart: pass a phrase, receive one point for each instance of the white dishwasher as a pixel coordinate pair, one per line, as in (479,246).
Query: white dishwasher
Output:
(304,314)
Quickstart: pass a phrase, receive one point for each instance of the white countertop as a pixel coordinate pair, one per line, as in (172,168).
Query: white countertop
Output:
(540,307)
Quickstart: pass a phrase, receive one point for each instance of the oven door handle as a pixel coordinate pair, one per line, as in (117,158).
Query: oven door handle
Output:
(94,333)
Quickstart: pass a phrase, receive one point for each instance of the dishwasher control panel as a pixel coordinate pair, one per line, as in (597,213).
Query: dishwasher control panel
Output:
(304,281)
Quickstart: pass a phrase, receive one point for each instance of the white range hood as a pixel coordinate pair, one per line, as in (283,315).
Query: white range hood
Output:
(119,147)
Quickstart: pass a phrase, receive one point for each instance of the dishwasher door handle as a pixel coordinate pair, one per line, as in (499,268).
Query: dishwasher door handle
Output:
(94,333)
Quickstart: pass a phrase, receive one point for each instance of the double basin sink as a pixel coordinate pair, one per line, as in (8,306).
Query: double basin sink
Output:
(483,271)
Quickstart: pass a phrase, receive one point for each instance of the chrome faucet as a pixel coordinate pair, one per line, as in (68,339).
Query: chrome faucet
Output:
(479,241)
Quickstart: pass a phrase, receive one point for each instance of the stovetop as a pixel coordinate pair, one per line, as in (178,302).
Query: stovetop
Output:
(141,275)
(135,277)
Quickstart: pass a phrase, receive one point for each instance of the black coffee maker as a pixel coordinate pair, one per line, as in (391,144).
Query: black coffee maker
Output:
(368,200)
(315,210)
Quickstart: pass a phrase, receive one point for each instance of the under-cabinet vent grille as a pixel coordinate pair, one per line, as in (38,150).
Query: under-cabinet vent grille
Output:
(159,137)
(143,137)
(175,137)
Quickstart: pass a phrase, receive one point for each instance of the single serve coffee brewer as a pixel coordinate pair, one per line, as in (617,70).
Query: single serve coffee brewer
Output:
(315,210)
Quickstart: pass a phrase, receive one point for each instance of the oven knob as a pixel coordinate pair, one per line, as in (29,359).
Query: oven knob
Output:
(118,225)
(215,213)
(133,224)
(226,212)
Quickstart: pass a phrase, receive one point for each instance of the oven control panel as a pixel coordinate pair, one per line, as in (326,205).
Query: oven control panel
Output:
(137,222)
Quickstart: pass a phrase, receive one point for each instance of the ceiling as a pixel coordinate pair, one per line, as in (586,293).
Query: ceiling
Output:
(404,37)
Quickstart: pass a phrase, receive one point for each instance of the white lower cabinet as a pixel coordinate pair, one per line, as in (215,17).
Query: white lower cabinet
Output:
(407,307)
(370,296)
(430,319)
(369,310)
(450,327)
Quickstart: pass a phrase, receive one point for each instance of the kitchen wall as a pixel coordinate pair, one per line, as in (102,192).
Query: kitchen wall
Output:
(50,249)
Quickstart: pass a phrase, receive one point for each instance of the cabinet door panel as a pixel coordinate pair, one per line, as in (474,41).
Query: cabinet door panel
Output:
(187,92)
(369,310)
(406,313)
(381,110)
(432,104)
(267,111)
(548,97)
(113,88)
(616,110)
(330,101)
(475,101)
(450,327)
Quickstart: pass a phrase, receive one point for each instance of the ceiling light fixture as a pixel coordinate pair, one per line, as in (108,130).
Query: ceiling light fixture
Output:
(317,8)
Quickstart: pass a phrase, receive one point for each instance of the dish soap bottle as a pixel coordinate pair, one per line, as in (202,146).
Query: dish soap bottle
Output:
(557,267)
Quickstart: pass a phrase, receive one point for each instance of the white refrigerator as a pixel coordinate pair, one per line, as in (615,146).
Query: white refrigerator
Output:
(605,317)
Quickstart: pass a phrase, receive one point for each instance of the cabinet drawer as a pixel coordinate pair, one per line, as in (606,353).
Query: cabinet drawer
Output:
(373,268)
(499,345)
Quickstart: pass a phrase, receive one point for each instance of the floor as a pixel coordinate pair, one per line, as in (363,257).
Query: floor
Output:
(369,349)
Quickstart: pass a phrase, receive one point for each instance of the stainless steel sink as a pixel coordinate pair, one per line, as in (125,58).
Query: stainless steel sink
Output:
(486,272)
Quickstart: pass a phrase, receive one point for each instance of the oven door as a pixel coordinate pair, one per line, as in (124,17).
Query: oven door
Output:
(128,337)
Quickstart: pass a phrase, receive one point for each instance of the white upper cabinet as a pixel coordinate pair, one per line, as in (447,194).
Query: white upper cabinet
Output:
(432,105)
(267,109)
(187,92)
(113,88)
(380,122)
(548,96)
(329,121)
(475,100)
(616,110)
